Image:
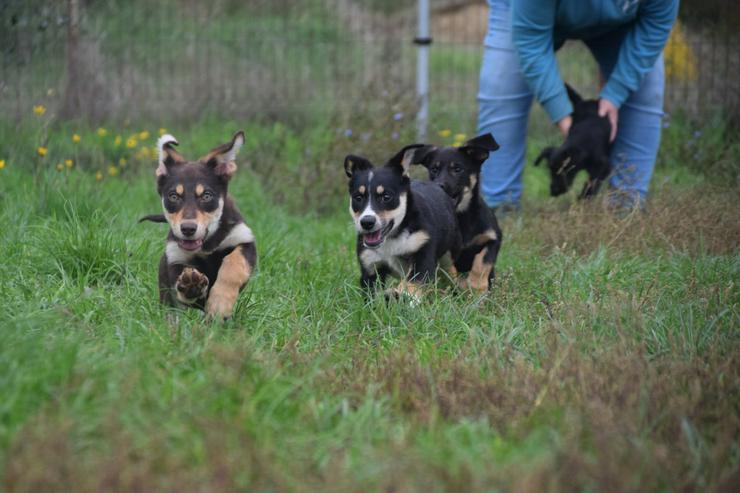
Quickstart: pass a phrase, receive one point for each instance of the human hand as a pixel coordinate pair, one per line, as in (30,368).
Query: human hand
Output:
(611,112)
(564,125)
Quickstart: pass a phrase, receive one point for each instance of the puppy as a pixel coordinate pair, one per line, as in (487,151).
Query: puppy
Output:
(585,148)
(457,171)
(405,228)
(210,253)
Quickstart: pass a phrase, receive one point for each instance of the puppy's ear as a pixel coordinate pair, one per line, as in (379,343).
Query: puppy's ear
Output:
(545,154)
(222,159)
(168,156)
(478,148)
(353,164)
(574,97)
(422,155)
(411,154)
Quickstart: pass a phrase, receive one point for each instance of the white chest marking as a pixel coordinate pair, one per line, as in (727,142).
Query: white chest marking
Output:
(391,251)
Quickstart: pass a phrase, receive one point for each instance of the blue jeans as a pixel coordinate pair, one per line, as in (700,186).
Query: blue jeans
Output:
(504,101)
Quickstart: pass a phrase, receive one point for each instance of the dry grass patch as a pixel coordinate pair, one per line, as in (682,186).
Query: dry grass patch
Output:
(698,221)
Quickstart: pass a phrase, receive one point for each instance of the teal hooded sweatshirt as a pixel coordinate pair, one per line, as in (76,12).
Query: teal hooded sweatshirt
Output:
(539,27)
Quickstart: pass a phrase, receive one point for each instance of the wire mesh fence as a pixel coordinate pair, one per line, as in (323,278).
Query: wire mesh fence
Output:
(290,59)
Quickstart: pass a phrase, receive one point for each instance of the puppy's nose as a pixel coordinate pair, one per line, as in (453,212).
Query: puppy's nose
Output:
(367,222)
(188,229)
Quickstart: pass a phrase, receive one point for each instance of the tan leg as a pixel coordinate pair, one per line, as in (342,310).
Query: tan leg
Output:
(478,277)
(233,274)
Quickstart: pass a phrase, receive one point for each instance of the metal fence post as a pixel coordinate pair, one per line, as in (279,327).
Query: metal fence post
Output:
(422,41)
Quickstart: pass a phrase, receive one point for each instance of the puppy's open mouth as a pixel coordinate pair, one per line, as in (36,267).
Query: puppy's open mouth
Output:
(190,245)
(374,239)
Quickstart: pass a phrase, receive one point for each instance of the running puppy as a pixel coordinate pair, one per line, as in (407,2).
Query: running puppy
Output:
(404,227)
(210,251)
(457,171)
(586,147)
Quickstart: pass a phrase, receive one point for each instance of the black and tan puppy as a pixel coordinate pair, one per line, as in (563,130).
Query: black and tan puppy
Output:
(405,228)
(585,148)
(457,171)
(210,253)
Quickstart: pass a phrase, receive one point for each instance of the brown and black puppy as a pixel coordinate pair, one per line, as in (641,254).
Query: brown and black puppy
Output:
(457,171)
(210,253)
(405,228)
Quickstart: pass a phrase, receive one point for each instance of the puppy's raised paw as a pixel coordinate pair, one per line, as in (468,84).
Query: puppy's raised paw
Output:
(191,286)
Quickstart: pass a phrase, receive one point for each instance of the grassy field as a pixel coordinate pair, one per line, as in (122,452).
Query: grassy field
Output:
(605,359)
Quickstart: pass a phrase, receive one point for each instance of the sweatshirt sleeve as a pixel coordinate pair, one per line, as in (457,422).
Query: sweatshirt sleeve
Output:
(640,49)
(532,23)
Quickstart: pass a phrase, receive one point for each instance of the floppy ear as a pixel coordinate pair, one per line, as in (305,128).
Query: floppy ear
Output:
(574,97)
(411,154)
(223,158)
(478,148)
(353,164)
(545,154)
(168,156)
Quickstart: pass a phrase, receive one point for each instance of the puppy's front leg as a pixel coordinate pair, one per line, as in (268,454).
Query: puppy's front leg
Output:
(481,273)
(233,274)
(191,286)
(422,272)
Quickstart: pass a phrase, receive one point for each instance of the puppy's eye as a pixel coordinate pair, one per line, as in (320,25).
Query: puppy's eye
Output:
(357,197)
(456,168)
(386,197)
(173,197)
(207,196)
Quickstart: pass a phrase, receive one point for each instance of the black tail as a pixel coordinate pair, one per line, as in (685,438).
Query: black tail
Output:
(574,97)
(155,218)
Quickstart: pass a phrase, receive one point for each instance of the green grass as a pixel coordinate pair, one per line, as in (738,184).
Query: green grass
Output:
(606,357)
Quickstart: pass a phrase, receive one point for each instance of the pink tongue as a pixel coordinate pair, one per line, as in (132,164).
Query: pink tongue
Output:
(373,237)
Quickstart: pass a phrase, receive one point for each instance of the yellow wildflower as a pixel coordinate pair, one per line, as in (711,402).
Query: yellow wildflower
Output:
(112,170)
(42,151)
(76,138)
(144,153)
(444,133)
(162,131)
(460,137)
(131,142)
(680,59)
(39,109)
(2,163)
(143,135)
(122,162)
(102,132)
(98,176)
(69,163)
(117,141)
(60,167)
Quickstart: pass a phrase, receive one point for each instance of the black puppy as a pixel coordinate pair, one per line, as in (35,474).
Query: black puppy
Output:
(210,253)
(457,171)
(586,148)
(404,227)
